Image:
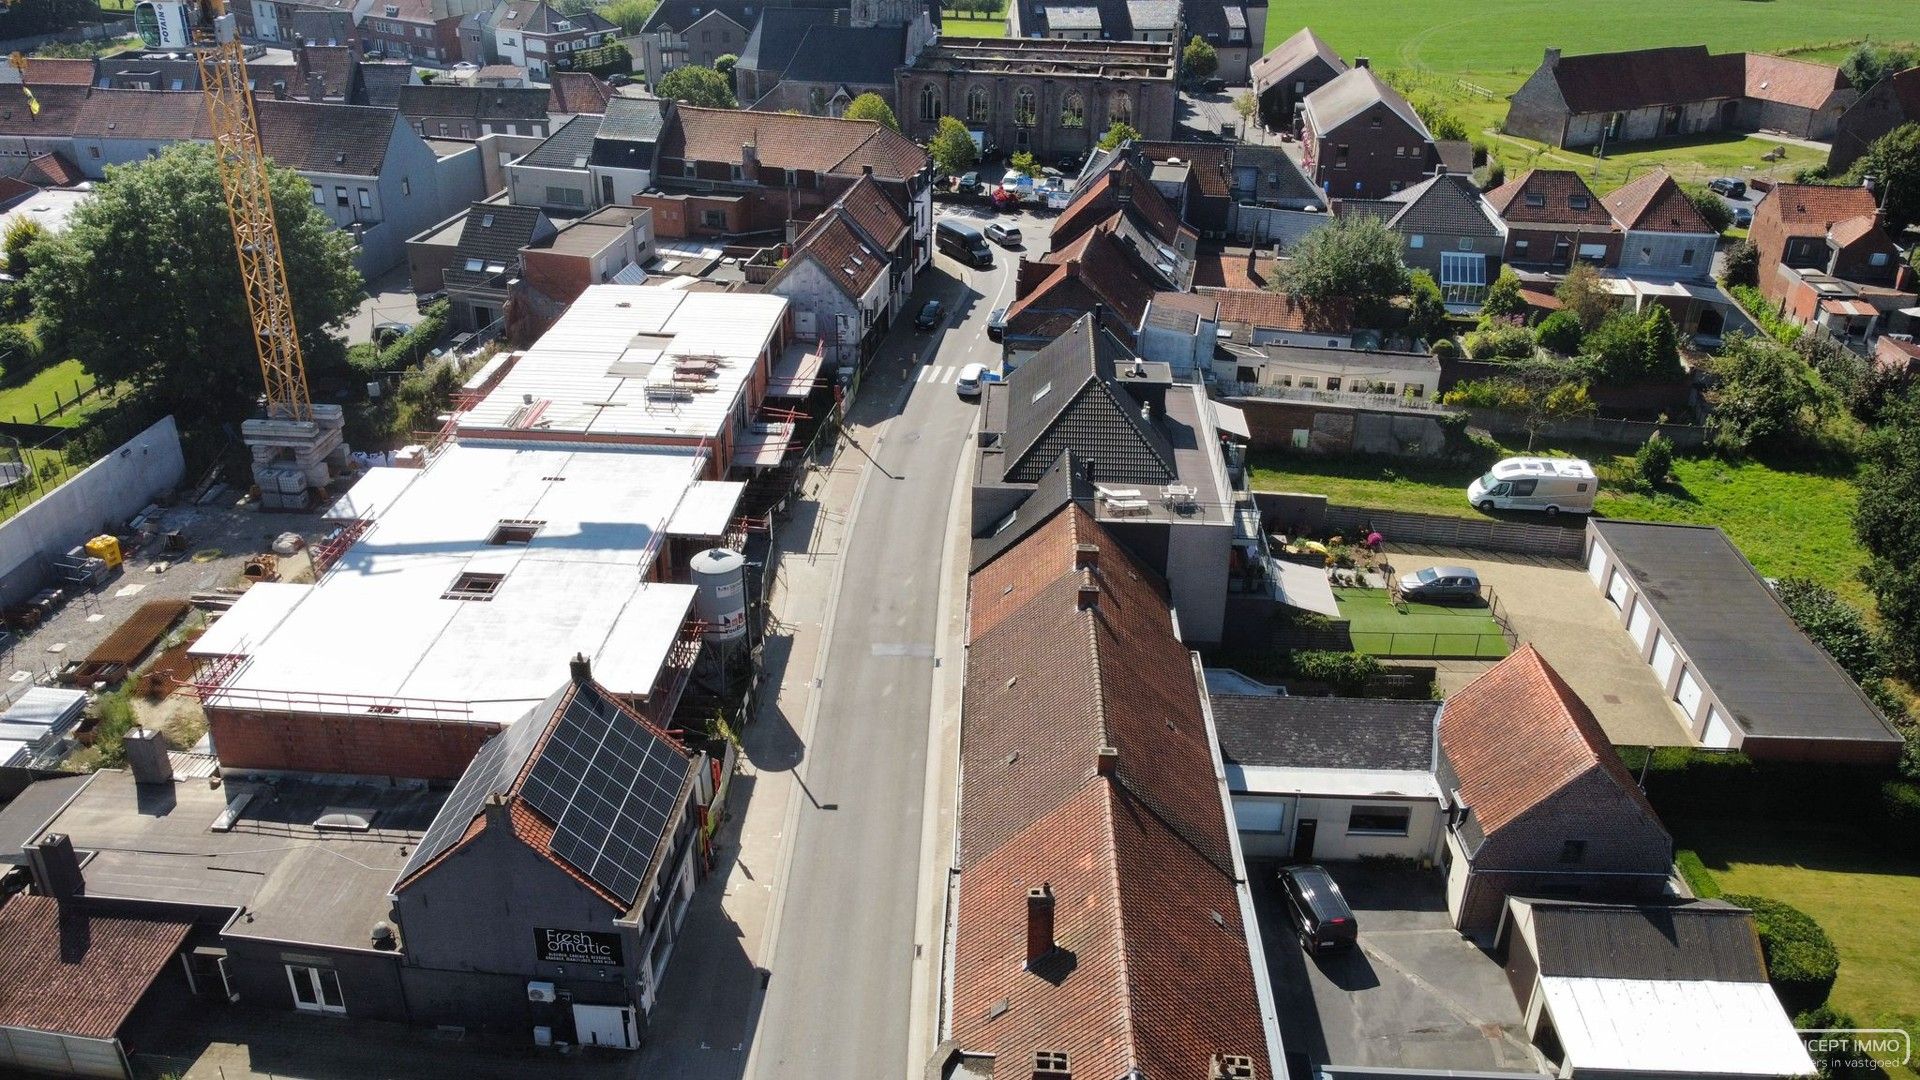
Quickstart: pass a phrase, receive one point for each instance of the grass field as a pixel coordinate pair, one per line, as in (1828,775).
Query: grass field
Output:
(1867,899)
(973,24)
(46,391)
(1423,631)
(1787,523)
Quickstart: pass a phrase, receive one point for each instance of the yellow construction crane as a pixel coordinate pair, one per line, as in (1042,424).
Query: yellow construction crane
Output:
(210,31)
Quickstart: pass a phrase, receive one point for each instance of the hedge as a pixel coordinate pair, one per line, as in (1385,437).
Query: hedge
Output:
(1697,876)
(1346,671)
(1801,960)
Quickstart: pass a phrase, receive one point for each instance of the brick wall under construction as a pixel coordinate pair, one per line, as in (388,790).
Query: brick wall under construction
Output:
(361,745)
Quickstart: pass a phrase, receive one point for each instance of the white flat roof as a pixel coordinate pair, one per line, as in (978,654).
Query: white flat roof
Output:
(370,494)
(1674,1026)
(380,625)
(50,207)
(255,615)
(630,360)
(1353,783)
(706,509)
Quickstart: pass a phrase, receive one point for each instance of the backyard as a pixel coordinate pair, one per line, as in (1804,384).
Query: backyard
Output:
(1789,523)
(49,391)
(1420,631)
(973,22)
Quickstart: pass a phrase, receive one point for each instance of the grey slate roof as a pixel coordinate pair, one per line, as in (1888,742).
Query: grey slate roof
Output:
(1290,55)
(857,56)
(1061,484)
(1734,631)
(1448,203)
(567,148)
(495,232)
(1279,176)
(480,102)
(382,81)
(775,38)
(1065,398)
(1153,14)
(1325,732)
(1706,940)
(631,119)
(1353,92)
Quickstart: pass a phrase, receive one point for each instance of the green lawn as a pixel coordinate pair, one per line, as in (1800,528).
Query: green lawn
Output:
(956,26)
(1866,898)
(1787,523)
(47,390)
(1423,631)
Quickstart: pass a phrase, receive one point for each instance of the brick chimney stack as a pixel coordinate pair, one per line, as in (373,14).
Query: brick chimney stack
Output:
(580,668)
(1040,943)
(1107,762)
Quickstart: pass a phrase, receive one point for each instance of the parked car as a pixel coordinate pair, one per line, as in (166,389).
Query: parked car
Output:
(929,316)
(970,182)
(1004,235)
(997,325)
(1728,186)
(1743,217)
(1441,583)
(1320,913)
(1214,85)
(972,378)
(386,333)
(1536,483)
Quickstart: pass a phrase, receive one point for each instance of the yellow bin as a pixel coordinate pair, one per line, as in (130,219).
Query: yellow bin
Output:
(106,548)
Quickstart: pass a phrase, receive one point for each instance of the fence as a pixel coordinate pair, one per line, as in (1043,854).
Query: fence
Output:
(1349,399)
(61,403)
(1504,424)
(1487,534)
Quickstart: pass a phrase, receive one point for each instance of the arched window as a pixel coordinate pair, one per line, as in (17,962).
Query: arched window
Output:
(1023,108)
(817,101)
(1122,111)
(929,103)
(1073,112)
(979,111)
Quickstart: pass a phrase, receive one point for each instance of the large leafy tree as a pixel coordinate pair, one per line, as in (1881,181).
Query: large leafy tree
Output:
(1119,132)
(1894,163)
(952,147)
(630,15)
(143,285)
(1584,293)
(1887,520)
(697,85)
(1354,257)
(1768,398)
(1199,60)
(871,106)
(1711,206)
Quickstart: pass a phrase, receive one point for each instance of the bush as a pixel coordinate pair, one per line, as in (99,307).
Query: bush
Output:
(116,719)
(1696,874)
(1560,332)
(1617,346)
(364,359)
(1496,174)
(1834,625)
(1766,314)
(1503,297)
(1445,349)
(1801,959)
(1506,394)
(612,58)
(1902,800)
(1347,672)
(1743,264)
(413,346)
(19,350)
(1500,339)
(1653,462)
(1835,1062)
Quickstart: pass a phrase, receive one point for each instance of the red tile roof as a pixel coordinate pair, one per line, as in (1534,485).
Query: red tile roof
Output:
(577,92)
(1152,968)
(1099,200)
(874,212)
(1107,271)
(1238,268)
(58,71)
(1270,310)
(79,974)
(1812,209)
(1654,203)
(14,190)
(1207,160)
(841,254)
(1518,735)
(790,141)
(1561,190)
(54,169)
(1792,82)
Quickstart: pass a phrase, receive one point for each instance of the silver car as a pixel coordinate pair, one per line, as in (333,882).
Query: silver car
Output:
(1441,583)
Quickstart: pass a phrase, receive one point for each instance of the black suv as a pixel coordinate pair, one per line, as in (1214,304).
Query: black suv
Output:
(1320,913)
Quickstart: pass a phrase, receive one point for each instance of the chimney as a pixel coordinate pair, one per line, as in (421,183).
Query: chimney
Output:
(1089,594)
(1086,556)
(580,668)
(1039,924)
(1107,759)
(749,160)
(56,868)
(866,170)
(316,87)
(1088,471)
(1361,61)
(147,756)
(1552,59)
(496,810)
(279,89)
(1099,310)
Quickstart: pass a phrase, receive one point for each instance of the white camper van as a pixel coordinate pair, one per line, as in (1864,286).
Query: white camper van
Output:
(1535,483)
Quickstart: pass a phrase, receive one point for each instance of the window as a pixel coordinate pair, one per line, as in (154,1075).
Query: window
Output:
(443,129)
(319,196)
(1646,255)
(1520,249)
(1050,1061)
(1686,257)
(1340,156)
(1573,851)
(791,177)
(1234,33)
(1396,185)
(566,196)
(1399,151)
(1333,382)
(1537,202)
(1416,391)
(929,104)
(1308,382)
(1379,820)
(978,105)
(475,266)
(1373,121)
(1023,108)
(1416,241)
(1579,202)
(406,186)
(1878,258)
(1463,277)
(316,990)
(737,173)
(366,199)
(1122,109)
(713,219)
(514,531)
(1073,112)
(689,169)
(340,196)
(474,587)
(1466,243)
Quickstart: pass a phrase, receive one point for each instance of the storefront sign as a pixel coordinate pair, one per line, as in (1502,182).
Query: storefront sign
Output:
(577,947)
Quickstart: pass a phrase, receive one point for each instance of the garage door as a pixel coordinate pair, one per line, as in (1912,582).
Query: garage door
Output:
(1640,624)
(1597,565)
(1663,658)
(1717,735)
(1688,693)
(1617,590)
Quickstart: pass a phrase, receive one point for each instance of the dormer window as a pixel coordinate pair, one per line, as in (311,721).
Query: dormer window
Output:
(1537,202)
(1579,202)
(393,11)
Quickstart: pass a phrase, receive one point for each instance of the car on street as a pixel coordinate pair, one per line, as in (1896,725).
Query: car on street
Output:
(1743,217)
(1728,186)
(1004,235)
(972,378)
(997,324)
(1214,85)
(1441,583)
(970,182)
(1321,917)
(929,316)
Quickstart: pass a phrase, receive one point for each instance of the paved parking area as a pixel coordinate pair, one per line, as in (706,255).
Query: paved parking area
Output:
(1415,994)
(1553,606)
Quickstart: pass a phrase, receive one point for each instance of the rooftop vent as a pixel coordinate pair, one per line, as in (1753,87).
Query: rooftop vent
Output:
(344,819)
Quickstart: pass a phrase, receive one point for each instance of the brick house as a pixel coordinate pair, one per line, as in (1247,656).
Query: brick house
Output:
(1553,218)
(850,271)
(1826,260)
(535,35)
(1663,232)
(424,31)
(681,32)
(1283,78)
(445,111)
(1450,232)
(1538,803)
(1361,140)
(1891,102)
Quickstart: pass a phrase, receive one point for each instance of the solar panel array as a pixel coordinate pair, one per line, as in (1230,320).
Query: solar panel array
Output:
(608,784)
(492,770)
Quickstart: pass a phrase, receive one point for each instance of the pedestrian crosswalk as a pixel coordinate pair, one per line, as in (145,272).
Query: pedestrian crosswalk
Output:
(937,373)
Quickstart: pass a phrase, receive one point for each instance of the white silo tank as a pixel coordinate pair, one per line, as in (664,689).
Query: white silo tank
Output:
(720,576)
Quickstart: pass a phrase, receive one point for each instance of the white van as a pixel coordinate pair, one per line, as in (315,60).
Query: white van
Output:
(1535,483)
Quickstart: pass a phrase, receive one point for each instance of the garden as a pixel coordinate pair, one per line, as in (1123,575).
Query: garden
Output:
(1415,630)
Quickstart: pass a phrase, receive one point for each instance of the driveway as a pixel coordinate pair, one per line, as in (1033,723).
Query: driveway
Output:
(389,299)
(1415,994)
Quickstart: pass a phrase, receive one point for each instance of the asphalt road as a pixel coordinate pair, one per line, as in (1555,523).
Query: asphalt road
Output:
(837,1003)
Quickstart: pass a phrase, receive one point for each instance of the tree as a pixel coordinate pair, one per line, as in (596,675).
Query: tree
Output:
(697,85)
(1869,63)
(1560,333)
(629,15)
(1503,296)
(1426,306)
(1718,213)
(1887,520)
(724,64)
(952,147)
(1584,293)
(1615,346)
(1653,462)
(1441,122)
(605,61)
(22,233)
(1023,162)
(1246,105)
(1894,163)
(1539,391)
(871,106)
(1767,397)
(1119,132)
(1356,258)
(1742,264)
(144,288)
(1199,59)
(1660,347)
